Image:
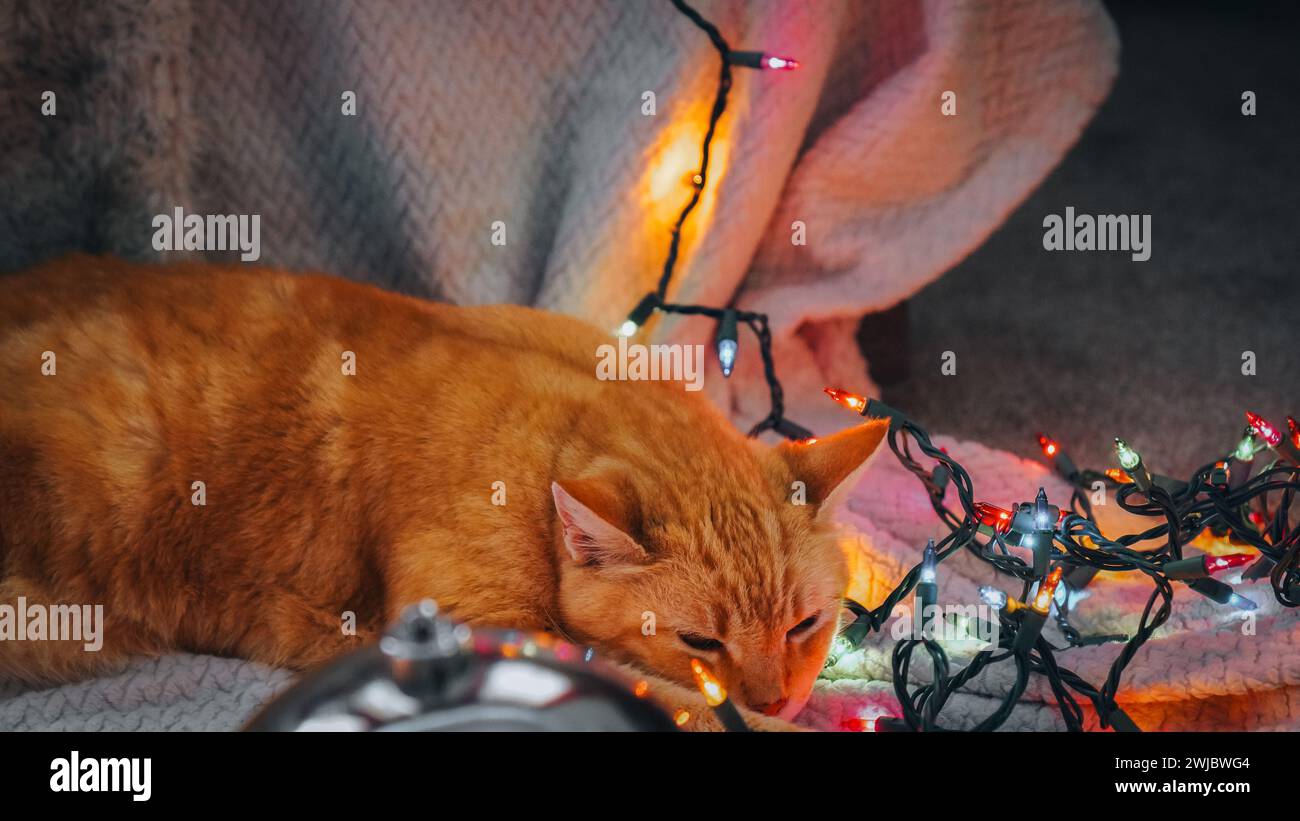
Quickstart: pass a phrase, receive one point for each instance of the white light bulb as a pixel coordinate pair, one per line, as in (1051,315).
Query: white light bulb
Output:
(993,597)
(929,562)
(727,355)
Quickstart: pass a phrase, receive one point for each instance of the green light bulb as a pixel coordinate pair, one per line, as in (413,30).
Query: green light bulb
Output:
(1245,449)
(1128,458)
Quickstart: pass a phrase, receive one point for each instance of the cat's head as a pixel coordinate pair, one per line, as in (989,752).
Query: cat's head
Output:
(735,563)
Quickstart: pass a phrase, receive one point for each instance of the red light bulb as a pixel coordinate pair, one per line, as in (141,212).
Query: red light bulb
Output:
(1218,564)
(762,60)
(993,516)
(1294,427)
(847,400)
(772,62)
(1267,432)
(1050,448)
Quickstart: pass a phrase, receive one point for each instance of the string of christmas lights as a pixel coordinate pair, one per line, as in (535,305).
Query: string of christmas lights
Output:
(726,341)
(1066,549)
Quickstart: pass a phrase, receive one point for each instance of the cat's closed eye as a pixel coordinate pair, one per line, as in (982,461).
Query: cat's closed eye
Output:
(698,642)
(803,626)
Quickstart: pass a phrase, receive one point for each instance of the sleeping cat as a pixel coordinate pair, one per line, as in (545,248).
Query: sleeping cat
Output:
(237,461)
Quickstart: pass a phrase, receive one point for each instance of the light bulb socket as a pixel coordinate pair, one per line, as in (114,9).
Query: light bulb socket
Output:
(729,717)
(1186,569)
(879,410)
(761,60)
(927,600)
(644,309)
(1042,548)
(1065,466)
(1288,451)
(1142,477)
(793,431)
(1212,589)
(1220,475)
(1259,570)
(1031,626)
(1239,471)
(940,477)
(856,632)
(889,724)
(1080,577)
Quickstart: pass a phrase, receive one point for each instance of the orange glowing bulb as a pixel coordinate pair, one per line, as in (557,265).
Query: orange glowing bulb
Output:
(1120,476)
(845,399)
(1047,591)
(712,689)
(681,717)
(642,688)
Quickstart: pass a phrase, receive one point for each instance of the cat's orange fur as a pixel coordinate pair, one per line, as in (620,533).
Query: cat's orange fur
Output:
(328,492)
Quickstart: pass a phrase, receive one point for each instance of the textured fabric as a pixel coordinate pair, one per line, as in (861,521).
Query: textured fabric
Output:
(531,114)
(179,692)
(1200,672)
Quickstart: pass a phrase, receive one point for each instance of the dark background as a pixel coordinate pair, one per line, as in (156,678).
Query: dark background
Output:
(1090,345)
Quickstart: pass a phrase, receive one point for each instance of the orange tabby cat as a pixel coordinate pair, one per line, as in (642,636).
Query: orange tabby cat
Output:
(354,449)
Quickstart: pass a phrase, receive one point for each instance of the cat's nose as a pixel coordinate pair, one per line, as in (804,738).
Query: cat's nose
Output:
(771,709)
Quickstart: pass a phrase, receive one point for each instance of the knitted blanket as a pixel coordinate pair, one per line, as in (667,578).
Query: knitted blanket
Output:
(1204,670)
(538,152)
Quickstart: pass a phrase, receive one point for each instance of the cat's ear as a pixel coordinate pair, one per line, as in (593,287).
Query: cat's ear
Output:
(596,519)
(831,466)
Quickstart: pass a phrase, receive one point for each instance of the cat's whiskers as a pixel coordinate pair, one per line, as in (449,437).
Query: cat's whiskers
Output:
(555,625)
